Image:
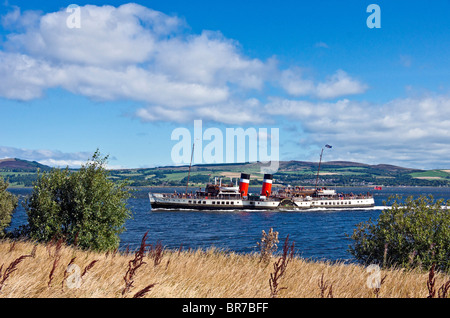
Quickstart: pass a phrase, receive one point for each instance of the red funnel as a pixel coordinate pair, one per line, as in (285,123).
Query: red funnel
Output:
(243,184)
(267,185)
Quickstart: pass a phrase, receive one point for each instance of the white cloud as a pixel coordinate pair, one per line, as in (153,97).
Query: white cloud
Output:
(135,83)
(22,77)
(336,85)
(410,131)
(107,36)
(339,84)
(210,59)
(129,52)
(17,20)
(231,112)
(158,113)
(135,53)
(291,80)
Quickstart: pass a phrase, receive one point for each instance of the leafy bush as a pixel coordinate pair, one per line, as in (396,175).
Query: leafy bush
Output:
(84,207)
(8,203)
(411,233)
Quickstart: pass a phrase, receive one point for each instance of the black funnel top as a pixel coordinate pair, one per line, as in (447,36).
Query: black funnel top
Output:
(245,176)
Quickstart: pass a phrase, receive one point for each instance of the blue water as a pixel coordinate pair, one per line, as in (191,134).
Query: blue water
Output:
(318,235)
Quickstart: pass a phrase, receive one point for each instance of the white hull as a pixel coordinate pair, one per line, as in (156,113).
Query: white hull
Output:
(158,200)
(335,203)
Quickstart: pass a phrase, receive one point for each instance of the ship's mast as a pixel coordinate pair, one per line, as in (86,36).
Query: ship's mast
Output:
(190,164)
(318,169)
(320,161)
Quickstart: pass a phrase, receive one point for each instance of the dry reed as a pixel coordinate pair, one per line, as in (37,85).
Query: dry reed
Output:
(268,245)
(134,264)
(195,273)
(323,286)
(279,268)
(431,283)
(10,269)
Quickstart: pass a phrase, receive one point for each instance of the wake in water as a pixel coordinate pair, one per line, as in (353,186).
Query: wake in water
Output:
(290,209)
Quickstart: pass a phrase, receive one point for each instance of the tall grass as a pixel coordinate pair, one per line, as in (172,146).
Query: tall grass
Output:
(280,267)
(26,269)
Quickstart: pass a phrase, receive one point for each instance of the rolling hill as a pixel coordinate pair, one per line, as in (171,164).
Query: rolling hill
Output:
(14,164)
(339,173)
(21,173)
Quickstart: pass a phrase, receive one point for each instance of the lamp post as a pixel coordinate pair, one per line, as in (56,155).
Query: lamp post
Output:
(190,164)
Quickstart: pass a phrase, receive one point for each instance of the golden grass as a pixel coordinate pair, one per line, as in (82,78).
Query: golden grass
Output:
(191,274)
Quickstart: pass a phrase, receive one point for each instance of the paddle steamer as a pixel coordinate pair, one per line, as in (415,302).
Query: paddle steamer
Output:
(219,196)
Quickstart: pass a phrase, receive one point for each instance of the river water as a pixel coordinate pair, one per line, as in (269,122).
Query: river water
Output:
(318,234)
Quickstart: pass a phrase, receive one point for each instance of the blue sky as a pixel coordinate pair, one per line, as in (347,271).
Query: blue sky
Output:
(132,73)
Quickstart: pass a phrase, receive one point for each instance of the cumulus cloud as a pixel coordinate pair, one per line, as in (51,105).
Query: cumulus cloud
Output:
(232,112)
(129,52)
(337,85)
(293,82)
(410,131)
(135,53)
(210,58)
(107,35)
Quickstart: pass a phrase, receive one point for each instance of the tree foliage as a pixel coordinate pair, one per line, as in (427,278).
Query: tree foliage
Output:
(8,203)
(410,233)
(83,207)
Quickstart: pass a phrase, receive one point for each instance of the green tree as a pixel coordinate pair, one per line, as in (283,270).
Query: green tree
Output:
(83,207)
(8,203)
(410,233)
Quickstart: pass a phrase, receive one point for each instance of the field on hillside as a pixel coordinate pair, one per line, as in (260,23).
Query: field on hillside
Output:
(296,173)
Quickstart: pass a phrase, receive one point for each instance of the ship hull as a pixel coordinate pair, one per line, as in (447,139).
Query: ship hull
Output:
(158,201)
(335,203)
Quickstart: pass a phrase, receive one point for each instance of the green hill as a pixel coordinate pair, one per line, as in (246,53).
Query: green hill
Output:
(339,173)
(333,173)
(19,165)
(20,173)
